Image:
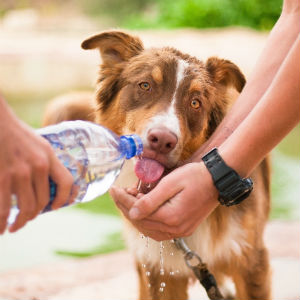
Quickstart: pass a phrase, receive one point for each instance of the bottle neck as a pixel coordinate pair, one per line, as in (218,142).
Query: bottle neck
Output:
(130,145)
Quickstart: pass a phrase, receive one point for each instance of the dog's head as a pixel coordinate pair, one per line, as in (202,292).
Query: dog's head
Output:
(172,100)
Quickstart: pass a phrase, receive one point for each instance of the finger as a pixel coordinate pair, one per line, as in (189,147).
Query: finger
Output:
(5,196)
(123,209)
(132,191)
(159,236)
(154,234)
(157,226)
(23,189)
(185,229)
(146,205)
(41,188)
(121,196)
(64,182)
(74,192)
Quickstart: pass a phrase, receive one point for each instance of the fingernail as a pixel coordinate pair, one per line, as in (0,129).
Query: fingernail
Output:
(134,213)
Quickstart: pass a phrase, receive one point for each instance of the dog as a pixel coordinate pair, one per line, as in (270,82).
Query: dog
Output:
(174,102)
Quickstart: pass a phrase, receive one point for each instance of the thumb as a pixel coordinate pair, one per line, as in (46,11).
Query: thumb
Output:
(149,203)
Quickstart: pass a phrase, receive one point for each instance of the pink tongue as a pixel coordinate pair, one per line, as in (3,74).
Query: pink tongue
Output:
(148,170)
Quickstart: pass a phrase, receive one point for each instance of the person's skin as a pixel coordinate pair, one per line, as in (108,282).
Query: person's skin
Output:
(269,111)
(26,162)
(279,43)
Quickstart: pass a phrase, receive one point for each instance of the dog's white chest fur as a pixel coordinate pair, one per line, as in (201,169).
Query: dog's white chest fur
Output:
(201,241)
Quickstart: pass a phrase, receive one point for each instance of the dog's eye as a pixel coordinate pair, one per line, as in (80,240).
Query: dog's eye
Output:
(195,103)
(145,86)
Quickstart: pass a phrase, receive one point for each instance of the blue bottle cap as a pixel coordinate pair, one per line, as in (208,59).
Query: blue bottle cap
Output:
(131,145)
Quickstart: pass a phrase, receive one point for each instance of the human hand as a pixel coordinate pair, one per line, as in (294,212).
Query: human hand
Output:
(175,207)
(26,162)
(125,199)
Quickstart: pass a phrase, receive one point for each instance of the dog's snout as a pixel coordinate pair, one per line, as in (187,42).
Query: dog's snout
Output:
(162,140)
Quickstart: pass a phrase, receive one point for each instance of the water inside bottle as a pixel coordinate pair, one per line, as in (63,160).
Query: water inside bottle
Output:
(99,177)
(94,169)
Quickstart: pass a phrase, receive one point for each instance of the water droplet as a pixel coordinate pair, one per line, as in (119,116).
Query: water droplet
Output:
(144,265)
(163,284)
(172,273)
(161,289)
(172,253)
(148,273)
(149,285)
(177,271)
(139,185)
(161,258)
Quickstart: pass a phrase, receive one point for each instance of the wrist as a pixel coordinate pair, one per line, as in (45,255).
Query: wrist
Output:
(202,175)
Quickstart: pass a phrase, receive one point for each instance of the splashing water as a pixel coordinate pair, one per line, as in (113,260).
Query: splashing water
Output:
(161,254)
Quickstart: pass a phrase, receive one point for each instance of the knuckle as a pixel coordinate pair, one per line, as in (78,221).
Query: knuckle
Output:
(144,205)
(41,164)
(47,147)
(68,180)
(23,172)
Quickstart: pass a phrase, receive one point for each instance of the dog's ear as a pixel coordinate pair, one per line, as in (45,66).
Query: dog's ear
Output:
(114,46)
(226,73)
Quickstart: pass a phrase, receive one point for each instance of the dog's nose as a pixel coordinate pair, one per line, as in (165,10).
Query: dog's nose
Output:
(162,140)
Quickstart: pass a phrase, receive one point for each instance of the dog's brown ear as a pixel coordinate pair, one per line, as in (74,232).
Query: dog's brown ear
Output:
(114,46)
(225,73)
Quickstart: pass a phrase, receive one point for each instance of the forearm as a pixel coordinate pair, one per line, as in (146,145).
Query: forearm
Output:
(278,44)
(270,121)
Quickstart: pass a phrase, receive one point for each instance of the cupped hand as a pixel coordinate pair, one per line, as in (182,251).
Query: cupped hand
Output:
(175,207)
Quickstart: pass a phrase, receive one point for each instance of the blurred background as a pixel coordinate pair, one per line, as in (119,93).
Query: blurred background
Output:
(40,57)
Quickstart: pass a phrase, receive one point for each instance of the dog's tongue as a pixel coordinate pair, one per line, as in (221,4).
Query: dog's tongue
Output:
(148,170)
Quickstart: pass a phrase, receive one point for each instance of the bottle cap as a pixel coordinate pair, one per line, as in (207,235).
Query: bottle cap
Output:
(131,145)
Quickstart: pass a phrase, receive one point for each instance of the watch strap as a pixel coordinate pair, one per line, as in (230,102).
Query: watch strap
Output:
(232,188)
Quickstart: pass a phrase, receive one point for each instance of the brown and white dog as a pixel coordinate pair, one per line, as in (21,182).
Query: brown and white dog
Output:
(175,102)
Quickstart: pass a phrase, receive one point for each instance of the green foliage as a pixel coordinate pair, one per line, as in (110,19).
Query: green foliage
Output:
(101,205)
(113,242)
(119,10)
(212,13)
(258,14)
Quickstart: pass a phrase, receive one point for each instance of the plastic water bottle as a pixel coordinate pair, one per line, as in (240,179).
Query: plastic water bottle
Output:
(93,154)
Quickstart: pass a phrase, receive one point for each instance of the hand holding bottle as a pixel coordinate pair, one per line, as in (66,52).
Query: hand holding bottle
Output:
(26,163)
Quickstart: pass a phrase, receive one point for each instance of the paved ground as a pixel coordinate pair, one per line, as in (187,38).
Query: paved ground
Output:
(112,276)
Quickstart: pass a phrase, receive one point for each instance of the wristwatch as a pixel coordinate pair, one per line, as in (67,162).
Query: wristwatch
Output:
(233,189)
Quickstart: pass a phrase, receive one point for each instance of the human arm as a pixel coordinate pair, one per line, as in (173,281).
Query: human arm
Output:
(26,162)
(277,47)
(276,114)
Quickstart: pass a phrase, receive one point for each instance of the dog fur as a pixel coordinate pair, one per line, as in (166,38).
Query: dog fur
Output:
(189,98)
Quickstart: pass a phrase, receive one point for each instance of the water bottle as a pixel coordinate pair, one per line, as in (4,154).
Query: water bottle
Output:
(92,153)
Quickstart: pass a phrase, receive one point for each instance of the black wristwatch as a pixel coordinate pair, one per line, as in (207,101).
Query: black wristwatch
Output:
(233,189)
